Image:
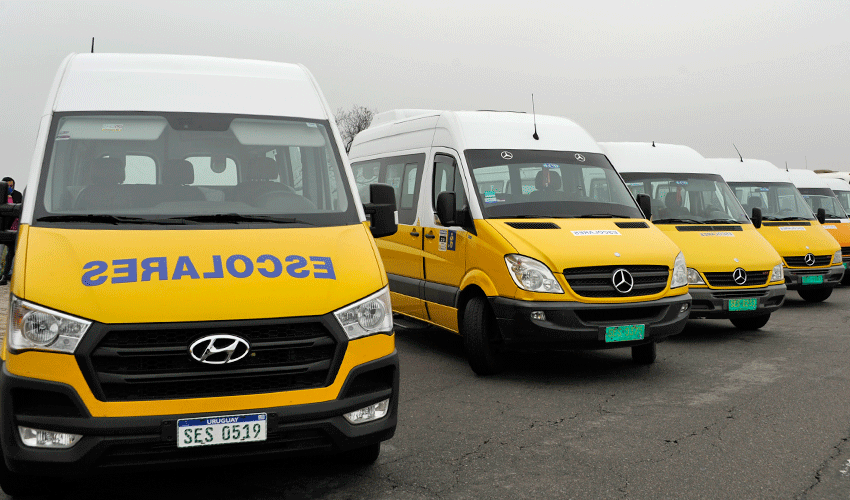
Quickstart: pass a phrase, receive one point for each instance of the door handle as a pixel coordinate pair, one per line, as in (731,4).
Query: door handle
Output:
(430,236)
(414,233)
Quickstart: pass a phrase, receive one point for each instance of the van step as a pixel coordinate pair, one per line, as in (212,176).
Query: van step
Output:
(409,323)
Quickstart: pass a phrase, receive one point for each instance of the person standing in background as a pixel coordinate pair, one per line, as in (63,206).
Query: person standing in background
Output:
(13,196)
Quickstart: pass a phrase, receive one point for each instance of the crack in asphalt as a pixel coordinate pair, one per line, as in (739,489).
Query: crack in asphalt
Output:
(823,466)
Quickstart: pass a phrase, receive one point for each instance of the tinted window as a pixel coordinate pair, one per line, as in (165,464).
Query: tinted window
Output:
(696,197)
(403,173)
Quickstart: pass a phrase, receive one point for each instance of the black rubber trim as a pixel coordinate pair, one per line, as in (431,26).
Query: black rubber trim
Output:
(443,295)
(698,228)
(405,286)
(787,223)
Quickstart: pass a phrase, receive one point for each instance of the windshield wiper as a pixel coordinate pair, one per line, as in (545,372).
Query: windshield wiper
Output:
(677,221)
(236,218)
(721,221)
(600,216)
(795,217)
(528,217)
(108,219)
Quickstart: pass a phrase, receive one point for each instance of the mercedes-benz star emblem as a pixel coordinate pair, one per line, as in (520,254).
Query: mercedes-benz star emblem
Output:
(219,349)
(739,276)
(579,157)
(623,281)
(507,155)
(809,259)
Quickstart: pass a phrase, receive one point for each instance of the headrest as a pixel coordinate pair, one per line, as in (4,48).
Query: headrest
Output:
(541,180)
(554,181)
(754,202)
(107,171)
(178,172)
(670,200)
(262,169)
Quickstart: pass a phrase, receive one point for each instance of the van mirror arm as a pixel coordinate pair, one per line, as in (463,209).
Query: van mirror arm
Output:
(756,218)
(821,215)
(383,216)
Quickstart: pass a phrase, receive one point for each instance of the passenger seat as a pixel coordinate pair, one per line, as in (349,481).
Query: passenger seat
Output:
(175,177)
(105,190)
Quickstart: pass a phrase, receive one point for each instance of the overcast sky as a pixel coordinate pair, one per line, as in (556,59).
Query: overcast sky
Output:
(772,76)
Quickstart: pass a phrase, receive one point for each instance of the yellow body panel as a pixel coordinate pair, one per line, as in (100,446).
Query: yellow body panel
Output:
(800,240)
(840,231)
(443,316)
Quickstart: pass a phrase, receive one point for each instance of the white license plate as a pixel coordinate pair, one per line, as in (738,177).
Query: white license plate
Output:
(208,431)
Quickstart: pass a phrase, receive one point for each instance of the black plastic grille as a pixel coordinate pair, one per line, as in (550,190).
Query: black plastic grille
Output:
(702,229)
(155,364)
(820,260)
(845,250)
(533,225)
(596,281)
(740,294)
(632,225)
(787,223)
(725,279)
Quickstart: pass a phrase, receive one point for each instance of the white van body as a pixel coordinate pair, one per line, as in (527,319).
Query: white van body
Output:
(809,180)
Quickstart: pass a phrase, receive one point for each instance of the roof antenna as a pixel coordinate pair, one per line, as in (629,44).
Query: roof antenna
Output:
(739,153)
(92,45)
(534,114)
(653,143)
(786,165)
(807,162)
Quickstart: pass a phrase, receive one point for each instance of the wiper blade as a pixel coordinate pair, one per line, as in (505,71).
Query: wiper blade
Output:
(236,218)
(796,217)
(600,216)
(722,221)
(107,219)
(675,221)
(528,217)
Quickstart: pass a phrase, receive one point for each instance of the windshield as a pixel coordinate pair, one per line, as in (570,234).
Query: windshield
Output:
(696,198)
(777,200)
(843,198)
(824,198)
(541,184)
(149,167)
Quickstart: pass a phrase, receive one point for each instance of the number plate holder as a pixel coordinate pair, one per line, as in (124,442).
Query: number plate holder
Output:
(813,280)
(624,333)
(226,429)
(742,304)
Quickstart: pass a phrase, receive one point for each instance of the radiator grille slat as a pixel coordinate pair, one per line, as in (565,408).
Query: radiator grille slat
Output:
(597,281)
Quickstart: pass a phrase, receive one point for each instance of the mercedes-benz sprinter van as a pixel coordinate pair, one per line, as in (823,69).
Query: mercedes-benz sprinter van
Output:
(517,237)
(733,272)
(841,189)
(194,279)
(812,257)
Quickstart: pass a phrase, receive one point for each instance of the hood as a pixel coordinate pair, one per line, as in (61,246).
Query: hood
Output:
(840,231)
(721,251)
(149,276)
(793,241)
(588,242)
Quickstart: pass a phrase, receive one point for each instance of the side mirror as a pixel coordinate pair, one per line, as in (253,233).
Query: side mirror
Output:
(446,209)
(821,215)
(382,210)
(645,204)
(756,218)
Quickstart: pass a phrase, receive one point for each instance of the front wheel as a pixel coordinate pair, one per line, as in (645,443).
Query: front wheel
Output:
(818,295)
(644,354)
(750,322)
(481,338)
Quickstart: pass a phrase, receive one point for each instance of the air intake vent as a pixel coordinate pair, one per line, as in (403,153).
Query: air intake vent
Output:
(787,223)
(533,225)
(632,225)
(702,229)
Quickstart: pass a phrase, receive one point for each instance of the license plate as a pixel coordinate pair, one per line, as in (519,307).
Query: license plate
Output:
(845,264)
(812,280)
(743,304)
(624,333)
(208,431)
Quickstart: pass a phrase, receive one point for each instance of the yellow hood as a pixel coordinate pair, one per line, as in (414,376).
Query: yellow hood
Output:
(795,241)
(840,231)
(722,251)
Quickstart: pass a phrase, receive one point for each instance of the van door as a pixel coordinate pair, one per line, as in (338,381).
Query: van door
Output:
(445,247)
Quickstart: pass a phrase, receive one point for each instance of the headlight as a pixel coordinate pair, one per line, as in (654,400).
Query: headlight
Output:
(531,275)
(36,327)
(836,259)
(368,316)
(680,272)
(694,278)
(777,274)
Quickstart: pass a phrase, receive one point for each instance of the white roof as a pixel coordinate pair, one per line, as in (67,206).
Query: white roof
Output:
(806,179)
(147,82)
(734,170)
(664,158)
(836,184)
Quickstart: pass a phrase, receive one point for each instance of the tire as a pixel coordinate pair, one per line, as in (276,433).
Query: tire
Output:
(481,338)
(750,322)
(845,280)
(23,486)
(361,457)
(818,295)
(644,354)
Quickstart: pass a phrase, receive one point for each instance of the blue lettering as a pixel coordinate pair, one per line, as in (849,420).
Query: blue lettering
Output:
(127,268)
(277,267)
(231,266)
(217,272)
(161,268)
(91,277)
(298,262)
(326,265)
(184,268)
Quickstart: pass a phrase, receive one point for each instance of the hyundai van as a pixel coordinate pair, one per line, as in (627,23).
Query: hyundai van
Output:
(733,272)
(194,281)
(519,234)
(812,261)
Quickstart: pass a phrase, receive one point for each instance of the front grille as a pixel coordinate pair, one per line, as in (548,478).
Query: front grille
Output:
(820,260)
(632,225)
(144,364)
(702,229)
(725,279)
(596,281)
(533,225)
(845,250)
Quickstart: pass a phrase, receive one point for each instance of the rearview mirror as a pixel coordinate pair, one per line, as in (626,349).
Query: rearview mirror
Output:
(645,204)
(821,215)
(382,213)
(756,218)
(446,209)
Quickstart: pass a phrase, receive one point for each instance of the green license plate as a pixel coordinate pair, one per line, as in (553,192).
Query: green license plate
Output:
(845,264)
(624,333)
(743,304)
(812,280)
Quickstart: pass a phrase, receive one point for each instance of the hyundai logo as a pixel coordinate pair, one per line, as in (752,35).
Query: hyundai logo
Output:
(809,259)
(739,276)
(507,155)
(219,349)
(623,281)
(579,157)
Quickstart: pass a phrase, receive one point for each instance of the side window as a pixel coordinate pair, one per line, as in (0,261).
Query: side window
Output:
(394,176)
(365,173)
(403,173)
(139,169)
(211,171)
(447,178)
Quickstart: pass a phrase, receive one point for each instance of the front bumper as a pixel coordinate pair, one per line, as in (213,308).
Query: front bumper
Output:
(713,304)
(112,443)
(831,277)
(576,325)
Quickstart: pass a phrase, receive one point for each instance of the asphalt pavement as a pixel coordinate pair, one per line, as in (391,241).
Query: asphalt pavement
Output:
(721,414)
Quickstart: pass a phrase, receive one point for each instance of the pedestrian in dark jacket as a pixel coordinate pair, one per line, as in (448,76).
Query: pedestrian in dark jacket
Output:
(12,196)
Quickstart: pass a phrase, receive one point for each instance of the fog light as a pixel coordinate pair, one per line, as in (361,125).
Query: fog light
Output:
(37,438)
(684,307)
(369,413)
(538,315)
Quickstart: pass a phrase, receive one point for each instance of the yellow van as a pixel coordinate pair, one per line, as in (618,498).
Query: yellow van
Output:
(518,235)
(812,257)
(194,279)
(733,272)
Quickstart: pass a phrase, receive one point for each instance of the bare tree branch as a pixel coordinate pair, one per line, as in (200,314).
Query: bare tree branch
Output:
(352,122)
